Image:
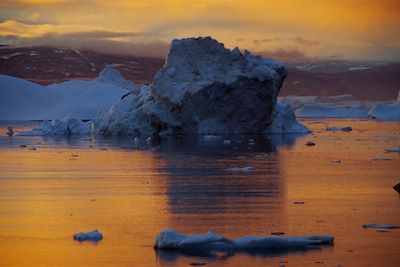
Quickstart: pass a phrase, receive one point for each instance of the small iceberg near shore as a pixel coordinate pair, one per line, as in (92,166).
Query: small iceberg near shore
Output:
(93,236)
(170,239)
(66,126)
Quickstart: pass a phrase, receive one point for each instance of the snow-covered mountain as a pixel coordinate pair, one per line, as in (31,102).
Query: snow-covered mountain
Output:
(373,81)
(83,99)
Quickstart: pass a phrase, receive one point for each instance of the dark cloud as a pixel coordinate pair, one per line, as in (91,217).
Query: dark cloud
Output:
(266,40)
(283,55)
(154,48)
(99,34)
(302,41)
(299,40)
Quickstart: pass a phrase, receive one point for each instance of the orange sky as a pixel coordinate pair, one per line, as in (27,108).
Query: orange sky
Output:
(352,29)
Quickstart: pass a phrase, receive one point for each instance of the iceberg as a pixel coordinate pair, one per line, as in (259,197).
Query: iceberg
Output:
(170,239)
(385,111)
(285,121)
(65,126)
(24,100)
(204,88)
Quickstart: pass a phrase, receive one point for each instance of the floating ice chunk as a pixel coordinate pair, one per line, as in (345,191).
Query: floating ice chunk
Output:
(241,169)
(332,110)
(170,239)
(227,142)
(285,121)
(65,126)
(385,111)
(334,129)
(310,143)
(94,236)
(384,226)
(380,158)
(395,150)
(10,131)
(397,188)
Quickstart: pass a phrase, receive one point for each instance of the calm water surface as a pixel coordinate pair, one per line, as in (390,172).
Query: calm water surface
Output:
(69,185)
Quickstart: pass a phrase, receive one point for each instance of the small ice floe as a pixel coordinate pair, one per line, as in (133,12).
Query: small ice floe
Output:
(382,226)
(197,263)
(277,233)
(380,158)
(334,129)
(227,142)
(310,143)
(241,169)
(10,131)
(397,188)
(170,239)
(395,150)
(93,236)
(211,137)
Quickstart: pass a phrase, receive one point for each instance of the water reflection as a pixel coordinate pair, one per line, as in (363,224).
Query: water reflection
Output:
(199,180)
(213,254)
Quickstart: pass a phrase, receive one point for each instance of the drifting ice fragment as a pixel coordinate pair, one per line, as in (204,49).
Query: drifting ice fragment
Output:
(94,236)
(334,129)
(396,150)
(243,169)
(384,226)
(227,142)
(310,143)
(170,239)
(397,188)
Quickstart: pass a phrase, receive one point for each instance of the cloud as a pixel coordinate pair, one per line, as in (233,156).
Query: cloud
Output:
(302,41)
(284,55)
(297,40)
(266,40)
(68,36)
(154,48)
(14,3)
(99,34)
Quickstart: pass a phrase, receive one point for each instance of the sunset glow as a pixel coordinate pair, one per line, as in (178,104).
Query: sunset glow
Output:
(354,29)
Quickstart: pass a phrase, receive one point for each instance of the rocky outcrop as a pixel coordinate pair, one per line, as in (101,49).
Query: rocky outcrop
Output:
(203,88)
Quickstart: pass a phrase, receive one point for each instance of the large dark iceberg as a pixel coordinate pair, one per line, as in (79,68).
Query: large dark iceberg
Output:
(203,88)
